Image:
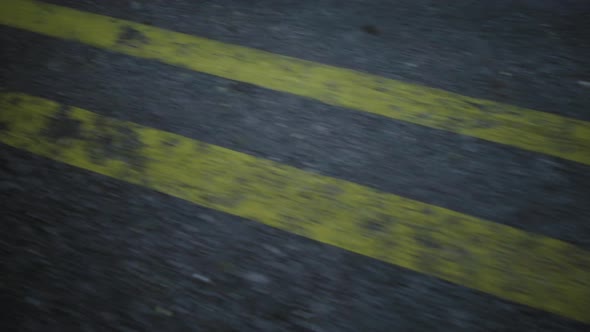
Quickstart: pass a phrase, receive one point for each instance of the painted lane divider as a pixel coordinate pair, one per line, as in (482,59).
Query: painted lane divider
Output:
(512,264)
(492,121)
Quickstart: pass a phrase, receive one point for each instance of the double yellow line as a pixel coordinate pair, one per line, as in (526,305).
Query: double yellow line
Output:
(530,269)
(526,268)
(500,123)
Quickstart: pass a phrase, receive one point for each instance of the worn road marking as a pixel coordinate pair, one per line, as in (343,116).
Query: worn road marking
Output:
(512,264)
(505,124)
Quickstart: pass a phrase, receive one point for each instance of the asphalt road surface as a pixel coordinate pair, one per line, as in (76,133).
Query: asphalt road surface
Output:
(339,193)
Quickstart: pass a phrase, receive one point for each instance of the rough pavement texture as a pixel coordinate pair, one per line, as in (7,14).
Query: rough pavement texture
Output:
(85,252)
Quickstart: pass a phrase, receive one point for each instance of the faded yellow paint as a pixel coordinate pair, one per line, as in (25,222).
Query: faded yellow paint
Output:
(496,122)
(530,269)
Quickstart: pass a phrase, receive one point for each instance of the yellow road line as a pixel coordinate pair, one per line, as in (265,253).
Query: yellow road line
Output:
(530,269)
(505,124)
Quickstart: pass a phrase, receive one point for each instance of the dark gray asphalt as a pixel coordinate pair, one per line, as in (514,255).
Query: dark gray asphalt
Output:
(85,252)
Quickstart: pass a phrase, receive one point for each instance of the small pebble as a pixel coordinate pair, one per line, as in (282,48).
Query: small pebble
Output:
(206,217)
(6,186)
(256,278)
(221,89)
(202,278)
(273,250)
(33,301)
(163,311)
(135,5)
(370,29)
